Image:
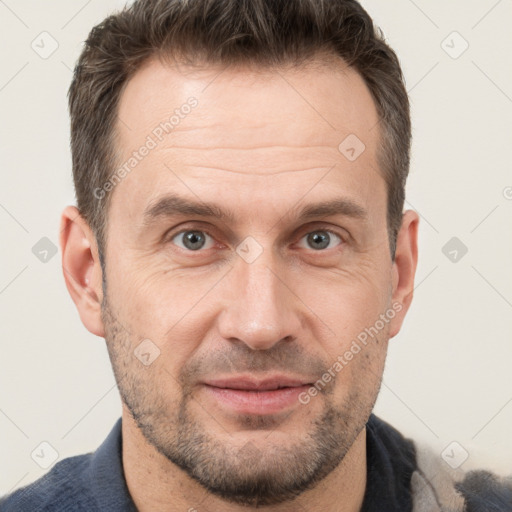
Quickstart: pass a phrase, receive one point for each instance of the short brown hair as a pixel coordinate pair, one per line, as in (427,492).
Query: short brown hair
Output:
(228,32)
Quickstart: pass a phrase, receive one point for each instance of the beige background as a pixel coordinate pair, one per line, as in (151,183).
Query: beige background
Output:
(448,376)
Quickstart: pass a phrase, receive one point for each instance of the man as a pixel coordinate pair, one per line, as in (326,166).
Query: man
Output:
(241,245)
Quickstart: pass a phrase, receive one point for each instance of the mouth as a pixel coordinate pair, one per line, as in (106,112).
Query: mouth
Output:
(246,395)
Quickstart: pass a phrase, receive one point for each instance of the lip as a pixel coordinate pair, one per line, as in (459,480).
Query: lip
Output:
(252,384)
(247,395)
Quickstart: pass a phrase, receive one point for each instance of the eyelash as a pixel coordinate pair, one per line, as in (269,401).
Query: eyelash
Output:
(170,237)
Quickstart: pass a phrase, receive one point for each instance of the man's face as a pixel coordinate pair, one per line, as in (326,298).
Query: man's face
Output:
(261,295)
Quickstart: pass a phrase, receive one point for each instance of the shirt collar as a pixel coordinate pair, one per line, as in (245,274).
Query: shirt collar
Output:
(106,474)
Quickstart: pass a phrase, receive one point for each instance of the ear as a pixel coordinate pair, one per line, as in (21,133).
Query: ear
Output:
(81,268)
(404,269)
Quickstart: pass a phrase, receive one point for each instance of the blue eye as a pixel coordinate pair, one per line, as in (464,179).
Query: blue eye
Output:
(192,239)
(321,239)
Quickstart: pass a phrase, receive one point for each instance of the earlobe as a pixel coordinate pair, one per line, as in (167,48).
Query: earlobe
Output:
(404,268)
(81,268)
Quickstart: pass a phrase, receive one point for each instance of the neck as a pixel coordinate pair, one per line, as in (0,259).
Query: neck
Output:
(155,483)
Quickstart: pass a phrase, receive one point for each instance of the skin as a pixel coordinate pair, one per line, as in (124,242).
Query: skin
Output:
(262,144)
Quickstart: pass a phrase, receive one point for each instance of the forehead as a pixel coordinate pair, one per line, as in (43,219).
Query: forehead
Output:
(319,99)
(245,125)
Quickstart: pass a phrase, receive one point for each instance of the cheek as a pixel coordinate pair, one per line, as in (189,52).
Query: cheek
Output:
(146,336)
(158,302)
(356,309)
(348,302)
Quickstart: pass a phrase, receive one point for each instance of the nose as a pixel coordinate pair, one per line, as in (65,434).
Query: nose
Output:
(260,309)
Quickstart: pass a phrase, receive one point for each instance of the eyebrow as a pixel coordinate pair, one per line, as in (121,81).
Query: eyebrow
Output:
(172,205)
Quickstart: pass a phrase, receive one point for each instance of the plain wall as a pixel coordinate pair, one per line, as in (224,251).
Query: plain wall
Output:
(448,375)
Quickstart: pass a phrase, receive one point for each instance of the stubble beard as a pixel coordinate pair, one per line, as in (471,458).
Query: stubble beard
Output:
(253,473)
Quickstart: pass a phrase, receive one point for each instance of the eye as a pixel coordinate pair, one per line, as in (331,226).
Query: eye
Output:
(192,240)
(321,239)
